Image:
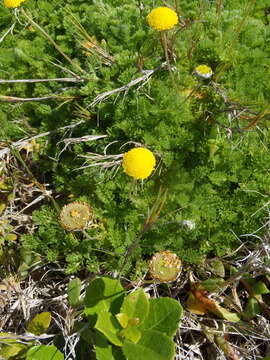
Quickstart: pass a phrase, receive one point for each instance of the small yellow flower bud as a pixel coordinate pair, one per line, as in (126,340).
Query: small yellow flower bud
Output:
(204,71)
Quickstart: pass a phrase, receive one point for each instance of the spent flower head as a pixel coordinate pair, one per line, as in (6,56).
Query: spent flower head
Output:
(203,71)
(12,3)
(139,163)
(164,266)
(162,18)
(76,216)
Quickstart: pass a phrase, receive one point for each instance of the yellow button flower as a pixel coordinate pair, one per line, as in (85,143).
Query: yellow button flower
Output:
(204,71)
(139,163)
(162,18)
(12,3)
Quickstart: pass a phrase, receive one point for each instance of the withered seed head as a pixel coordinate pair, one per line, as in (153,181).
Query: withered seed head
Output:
(164,266)
(77,215)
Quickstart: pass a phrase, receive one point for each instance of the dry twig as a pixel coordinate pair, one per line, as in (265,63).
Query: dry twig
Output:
(125,88)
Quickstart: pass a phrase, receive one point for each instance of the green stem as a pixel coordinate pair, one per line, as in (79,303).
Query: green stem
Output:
(17,155)
(164,42)
(149,222)
(177,8)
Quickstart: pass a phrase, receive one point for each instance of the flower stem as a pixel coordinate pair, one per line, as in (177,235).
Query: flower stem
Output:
(164,43)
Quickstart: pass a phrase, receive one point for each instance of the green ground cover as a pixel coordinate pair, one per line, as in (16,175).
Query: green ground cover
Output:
(210,137)
(97,81)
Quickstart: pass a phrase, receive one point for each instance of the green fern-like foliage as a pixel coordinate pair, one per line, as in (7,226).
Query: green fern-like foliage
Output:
(210,137)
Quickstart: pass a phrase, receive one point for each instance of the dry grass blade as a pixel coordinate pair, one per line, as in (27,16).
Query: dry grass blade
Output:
(93,47)
(29,18)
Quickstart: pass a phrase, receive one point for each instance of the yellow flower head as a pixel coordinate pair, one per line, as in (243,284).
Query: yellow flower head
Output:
(204,71)
(12,3)
(139,163)
(162,18)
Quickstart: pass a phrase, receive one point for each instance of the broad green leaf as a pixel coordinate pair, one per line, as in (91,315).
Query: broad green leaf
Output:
(109,326)
(131,333)
(11,350)
(217,268)
(28,259)
(259,288)
(136,305)
(232,270)
(253,308)
(11,237)
(103,294)
(40,323)
(74,290)
(212,285)
(106,351)
(164,316)
(10,347)
(122,319)
(11,337)
(44,352)
(225,314)
(2,207)
(256,287)
(153,345)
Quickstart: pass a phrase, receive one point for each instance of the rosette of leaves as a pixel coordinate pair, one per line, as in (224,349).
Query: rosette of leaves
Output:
(76,216)
(130,326)
(164,266)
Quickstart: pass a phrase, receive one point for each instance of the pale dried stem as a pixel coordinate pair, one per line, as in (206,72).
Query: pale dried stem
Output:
(21,143)
(125,88)
(85,138)
(103,161)
(73,80)
(13,99)
(7,32)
